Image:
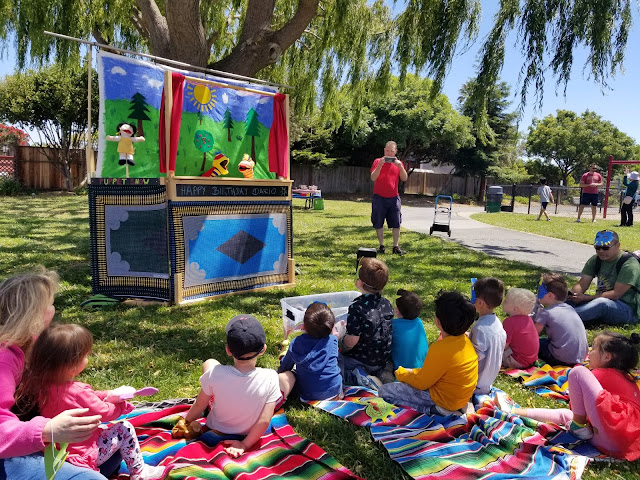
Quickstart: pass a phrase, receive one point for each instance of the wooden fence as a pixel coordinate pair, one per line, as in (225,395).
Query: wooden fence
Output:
(35,171)
(358,180)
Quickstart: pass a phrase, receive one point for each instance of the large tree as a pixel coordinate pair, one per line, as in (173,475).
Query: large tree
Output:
(571,142)
(53,101)
(311,44)
(424,130)
(495,145)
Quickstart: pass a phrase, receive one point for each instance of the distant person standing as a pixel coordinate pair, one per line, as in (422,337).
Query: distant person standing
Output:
(545,197)
(626,210)
(385,173)
(589,182)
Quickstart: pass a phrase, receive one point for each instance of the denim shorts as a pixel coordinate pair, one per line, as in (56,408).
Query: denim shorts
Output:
(388,209)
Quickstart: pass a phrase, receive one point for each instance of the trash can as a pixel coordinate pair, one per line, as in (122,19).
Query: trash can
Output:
(318,203)
(494,199)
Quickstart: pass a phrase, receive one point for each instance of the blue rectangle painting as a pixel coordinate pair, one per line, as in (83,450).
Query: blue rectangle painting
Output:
(230,247)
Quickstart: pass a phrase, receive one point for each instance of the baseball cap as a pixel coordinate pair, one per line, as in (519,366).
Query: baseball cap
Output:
(605,238)
(245,335)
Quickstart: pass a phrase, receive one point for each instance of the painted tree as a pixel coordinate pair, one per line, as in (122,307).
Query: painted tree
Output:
(252,129)
(139,109)
(324,44)
(203,141)
(227,122)
(572,142)
(52,101)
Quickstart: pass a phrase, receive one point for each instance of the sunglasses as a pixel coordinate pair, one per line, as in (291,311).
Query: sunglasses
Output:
(603,247)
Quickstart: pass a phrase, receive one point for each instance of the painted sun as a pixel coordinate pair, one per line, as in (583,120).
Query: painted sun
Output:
(201,96)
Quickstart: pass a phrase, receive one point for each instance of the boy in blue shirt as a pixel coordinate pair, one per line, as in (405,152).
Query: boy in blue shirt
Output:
(409,345)
(315,356)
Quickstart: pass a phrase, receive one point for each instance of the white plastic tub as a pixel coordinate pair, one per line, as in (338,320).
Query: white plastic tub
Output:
(293,308)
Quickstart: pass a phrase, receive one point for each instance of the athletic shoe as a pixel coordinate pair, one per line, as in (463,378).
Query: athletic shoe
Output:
(398,251)
(443,412)
(363,378)
(504,403)
(548,219)
(578,220)
(593,221)
(381,249)
(583,432)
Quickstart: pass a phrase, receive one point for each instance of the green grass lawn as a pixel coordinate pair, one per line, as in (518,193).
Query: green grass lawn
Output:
(165,346)
(565,228)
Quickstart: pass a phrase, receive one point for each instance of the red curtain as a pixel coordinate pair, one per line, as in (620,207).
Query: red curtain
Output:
(279,139)
(177,84)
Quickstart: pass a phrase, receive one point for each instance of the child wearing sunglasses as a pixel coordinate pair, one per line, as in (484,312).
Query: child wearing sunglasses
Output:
(566,341)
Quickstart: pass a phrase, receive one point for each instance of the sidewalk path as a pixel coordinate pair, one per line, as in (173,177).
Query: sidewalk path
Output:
(551,253)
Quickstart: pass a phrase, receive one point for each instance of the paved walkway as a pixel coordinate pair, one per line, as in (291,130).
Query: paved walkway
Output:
(551,253)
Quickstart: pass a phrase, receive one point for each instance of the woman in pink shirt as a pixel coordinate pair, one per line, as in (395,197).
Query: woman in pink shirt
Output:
(26,308)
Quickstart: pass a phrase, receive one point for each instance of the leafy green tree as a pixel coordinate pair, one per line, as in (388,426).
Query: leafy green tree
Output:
(139,108)
(252,128)
(572,142)
(314,44)
(203,141)
(227,122)
(495,145)
(52,101)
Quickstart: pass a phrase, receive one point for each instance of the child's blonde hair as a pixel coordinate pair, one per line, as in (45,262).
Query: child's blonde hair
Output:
(522,298)
(23,301)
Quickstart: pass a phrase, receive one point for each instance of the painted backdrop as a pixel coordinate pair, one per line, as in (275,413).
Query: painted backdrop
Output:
(218,123)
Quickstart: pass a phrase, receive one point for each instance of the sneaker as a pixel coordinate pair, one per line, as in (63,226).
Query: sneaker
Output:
(149,473)
(398,251)
(443,412)
(593,221)
(548,219)
(363,378)
(381,249)
(537,219)
(504,403)
(578,220)
(583,432)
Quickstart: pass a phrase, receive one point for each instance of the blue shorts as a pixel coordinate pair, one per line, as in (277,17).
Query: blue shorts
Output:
(589,199)
(544,205)
(388,209)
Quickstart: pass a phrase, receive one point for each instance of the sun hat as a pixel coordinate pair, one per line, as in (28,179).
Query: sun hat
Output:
(245,335)
(634,176)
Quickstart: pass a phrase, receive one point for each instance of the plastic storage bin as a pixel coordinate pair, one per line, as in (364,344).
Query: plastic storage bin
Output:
(293,308)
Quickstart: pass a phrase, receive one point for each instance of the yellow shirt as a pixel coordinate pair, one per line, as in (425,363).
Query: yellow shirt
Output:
(449,371)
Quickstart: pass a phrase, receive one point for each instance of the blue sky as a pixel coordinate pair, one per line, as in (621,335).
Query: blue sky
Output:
(616,104)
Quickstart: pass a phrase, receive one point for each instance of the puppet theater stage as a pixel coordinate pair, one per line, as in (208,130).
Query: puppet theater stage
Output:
(203,207)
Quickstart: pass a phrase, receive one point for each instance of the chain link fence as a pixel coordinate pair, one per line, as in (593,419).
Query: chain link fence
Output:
(525,199)
(7,167)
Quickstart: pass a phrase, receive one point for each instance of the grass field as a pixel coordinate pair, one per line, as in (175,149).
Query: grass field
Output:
(565,228)
(165,346)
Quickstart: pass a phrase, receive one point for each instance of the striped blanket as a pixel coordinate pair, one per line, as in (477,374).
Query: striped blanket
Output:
(546,381)
(487,444)
(279,453)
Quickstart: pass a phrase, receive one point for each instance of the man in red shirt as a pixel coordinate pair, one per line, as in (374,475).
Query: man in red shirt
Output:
(385,173)
(589,182)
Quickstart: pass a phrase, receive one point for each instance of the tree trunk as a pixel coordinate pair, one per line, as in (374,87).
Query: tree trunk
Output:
(228,134)
(204,161)
(483,187)
(140,131)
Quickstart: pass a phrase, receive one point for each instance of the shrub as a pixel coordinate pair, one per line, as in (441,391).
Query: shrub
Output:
(9,186)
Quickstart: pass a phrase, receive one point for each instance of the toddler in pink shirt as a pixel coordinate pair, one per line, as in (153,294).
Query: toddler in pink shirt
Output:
(521,349)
